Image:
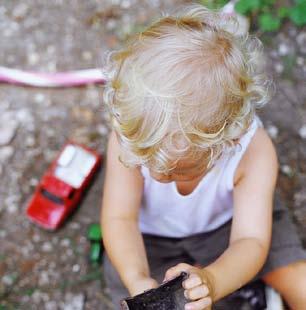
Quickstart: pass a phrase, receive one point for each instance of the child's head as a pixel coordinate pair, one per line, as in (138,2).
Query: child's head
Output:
(183,90)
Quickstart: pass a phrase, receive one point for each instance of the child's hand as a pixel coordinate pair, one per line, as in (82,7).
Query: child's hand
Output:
(142,284)
(198,286)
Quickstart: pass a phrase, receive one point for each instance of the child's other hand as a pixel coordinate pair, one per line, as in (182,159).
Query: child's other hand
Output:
(142,284)
(198,286)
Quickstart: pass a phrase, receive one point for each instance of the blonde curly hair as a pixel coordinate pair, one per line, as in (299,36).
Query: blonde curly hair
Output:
(184,88)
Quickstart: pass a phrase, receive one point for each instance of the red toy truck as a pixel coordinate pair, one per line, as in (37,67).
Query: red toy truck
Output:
(63,185)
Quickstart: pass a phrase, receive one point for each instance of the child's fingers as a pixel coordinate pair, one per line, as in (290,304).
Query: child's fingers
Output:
(176,270)
(192,281)
(197,292)
(199,304)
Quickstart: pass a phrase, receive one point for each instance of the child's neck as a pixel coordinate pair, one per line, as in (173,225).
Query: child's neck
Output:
(187,187)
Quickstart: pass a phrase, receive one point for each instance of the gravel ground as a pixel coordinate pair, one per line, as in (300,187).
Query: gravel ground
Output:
(43,270)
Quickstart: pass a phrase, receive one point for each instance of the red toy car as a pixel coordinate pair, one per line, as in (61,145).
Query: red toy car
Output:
(63,185)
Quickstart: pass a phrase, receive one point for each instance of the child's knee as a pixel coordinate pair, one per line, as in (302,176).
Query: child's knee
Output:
(290,281)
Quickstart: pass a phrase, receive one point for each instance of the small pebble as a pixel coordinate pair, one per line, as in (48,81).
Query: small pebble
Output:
(47,247)
(33,58)
(6,152)
(76,268)
(283,49)
(39,98)
(7,131)
(3,234)
(272,131)
(33,182)
(7,280)
(20,11)
(86,55)
(287,170)
(300,61)
(302,132)
(36,238)
(65,243)
(279,68)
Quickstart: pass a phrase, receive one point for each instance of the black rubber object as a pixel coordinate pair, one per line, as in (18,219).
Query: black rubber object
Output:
(168,296)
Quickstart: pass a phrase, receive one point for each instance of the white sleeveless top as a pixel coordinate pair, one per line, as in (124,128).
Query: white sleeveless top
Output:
(165,212)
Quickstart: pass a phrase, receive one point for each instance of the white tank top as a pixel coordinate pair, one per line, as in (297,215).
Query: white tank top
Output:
(165,212)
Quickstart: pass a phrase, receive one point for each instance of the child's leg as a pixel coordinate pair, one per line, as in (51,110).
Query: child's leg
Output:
(290,281)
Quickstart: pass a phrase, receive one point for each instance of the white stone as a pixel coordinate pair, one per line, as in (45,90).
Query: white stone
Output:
(29,141)
(69,252)
(301,40)
(302,132)
(283,49)
(111,24)
(33,182)
(10,59)
(8,32)
(36,238)
(43,278)
(20,10)
(33,58)
(51,305)
(4,105)
(47,247)
(51,66)
(24,116)
(74,302)
(7,280)
(12,208)
(65,243)
(8,130)
(51,49)
(36,297)
(300,61)
(3,10)
(75,226)
(50,132)
(76,268)
(25,299)
(287,170)
(279,68)
(39,98)
(102,130)
(272,131)
(3,234)
(125,4)
(86,55)
(6,152)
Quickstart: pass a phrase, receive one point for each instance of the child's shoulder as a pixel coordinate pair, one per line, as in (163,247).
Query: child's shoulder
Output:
(259,158)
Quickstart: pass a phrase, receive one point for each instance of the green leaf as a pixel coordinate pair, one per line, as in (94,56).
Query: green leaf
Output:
(267,2)
(283,12)
(268,22)
(300,1)
(242,7)
(214,4)
(298,14)
(246,6)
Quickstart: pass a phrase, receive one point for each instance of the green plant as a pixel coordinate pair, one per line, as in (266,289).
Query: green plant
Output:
(269,14)
(214,4)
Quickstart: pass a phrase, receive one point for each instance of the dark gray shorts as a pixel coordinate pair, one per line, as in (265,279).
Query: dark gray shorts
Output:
(205,248)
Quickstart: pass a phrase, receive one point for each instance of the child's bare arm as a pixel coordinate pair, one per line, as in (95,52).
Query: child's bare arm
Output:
(252,221)
(251,228)
(119,218)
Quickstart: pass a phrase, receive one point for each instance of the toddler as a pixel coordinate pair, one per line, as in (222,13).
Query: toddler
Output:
(191,172)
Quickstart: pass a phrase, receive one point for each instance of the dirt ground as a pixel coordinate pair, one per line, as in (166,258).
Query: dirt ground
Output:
(44,270)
